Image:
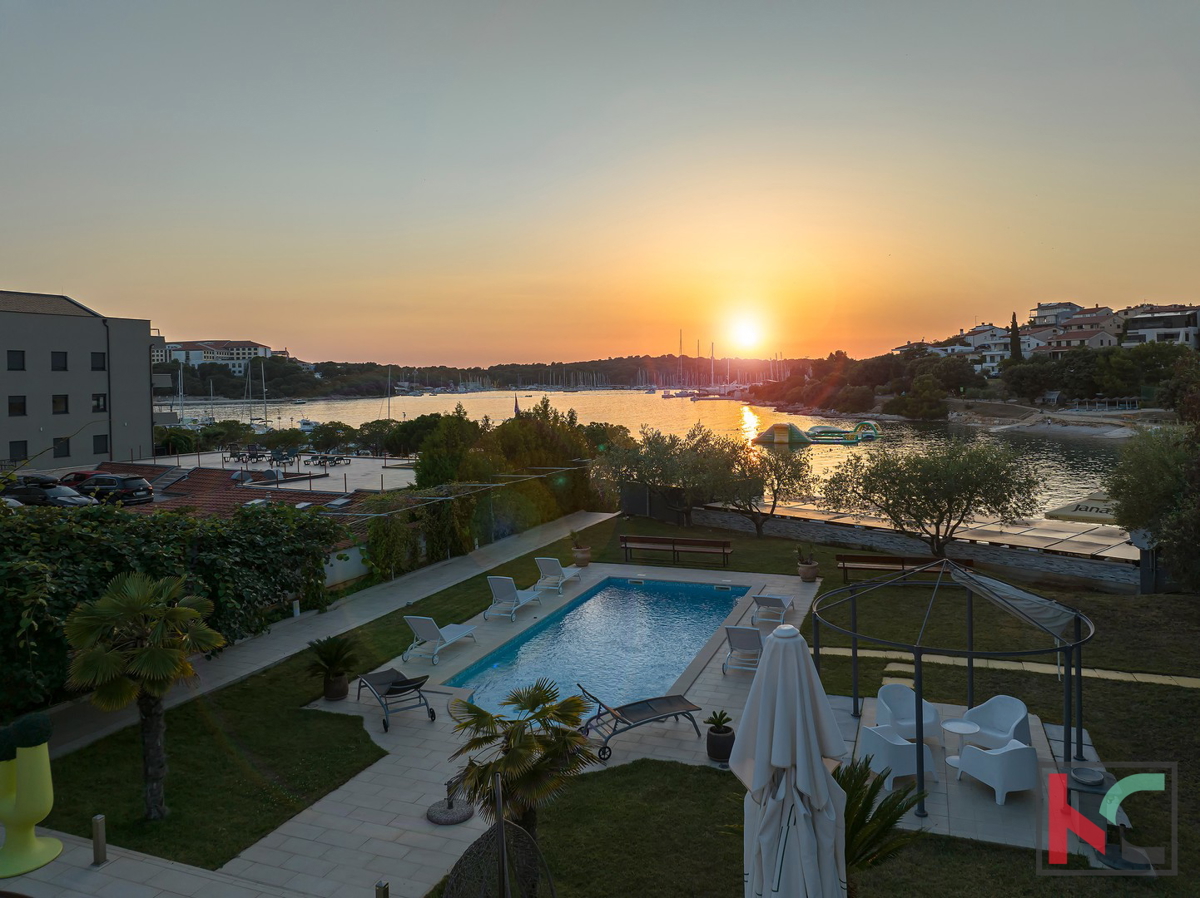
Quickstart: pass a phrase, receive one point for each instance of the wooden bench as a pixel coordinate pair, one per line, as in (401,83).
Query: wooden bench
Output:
(882,563)
(677,546)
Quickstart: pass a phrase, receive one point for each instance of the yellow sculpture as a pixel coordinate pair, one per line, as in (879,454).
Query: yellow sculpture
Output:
(26,795)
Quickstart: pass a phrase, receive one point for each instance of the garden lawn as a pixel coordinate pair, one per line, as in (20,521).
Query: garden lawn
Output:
(246,758)
(674,831)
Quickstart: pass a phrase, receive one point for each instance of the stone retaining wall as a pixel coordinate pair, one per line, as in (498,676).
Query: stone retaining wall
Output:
(1062,571)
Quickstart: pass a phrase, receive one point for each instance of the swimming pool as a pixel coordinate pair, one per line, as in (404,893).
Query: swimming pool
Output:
(622,639)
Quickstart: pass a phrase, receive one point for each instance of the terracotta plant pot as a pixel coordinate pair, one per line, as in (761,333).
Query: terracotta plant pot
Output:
(581,555)
(808,572)
(720,743)
(337,688)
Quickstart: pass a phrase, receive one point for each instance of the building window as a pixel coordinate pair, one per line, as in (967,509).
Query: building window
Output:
(99,402)
(99,361)
(62,447)
(16,406)
(58,361)
(60,404)
(18,450)
(100,444)
(16,360)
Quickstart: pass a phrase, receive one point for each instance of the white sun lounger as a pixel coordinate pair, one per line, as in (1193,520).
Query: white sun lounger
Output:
(552,575)
(745,649)
(507,599)
(771,608)
(427,634)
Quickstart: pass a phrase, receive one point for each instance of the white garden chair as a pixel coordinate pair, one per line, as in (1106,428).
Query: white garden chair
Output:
(507,599)
(1013,768)
(1000,719)
(895,707)
(888,749)
(552,575)
(745,649)
(429,638)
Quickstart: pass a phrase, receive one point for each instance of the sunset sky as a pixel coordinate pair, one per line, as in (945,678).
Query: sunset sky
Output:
(471,183)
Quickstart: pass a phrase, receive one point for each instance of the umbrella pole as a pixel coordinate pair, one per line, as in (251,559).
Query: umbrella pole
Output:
(918,688)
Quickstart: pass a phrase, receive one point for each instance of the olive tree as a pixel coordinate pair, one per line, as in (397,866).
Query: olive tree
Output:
(1155,486)
(758,479)
(682,471)
(930,494)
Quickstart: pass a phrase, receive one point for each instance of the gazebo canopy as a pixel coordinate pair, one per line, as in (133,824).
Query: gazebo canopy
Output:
(1059,629)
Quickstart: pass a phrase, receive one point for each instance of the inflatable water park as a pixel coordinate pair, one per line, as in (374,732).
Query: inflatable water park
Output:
(785,434)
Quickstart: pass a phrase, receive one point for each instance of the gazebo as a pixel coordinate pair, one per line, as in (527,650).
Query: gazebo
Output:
(1067,627)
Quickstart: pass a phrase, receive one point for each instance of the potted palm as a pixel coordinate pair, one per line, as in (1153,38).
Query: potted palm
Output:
(581,555)
(806,563)
(720,736)
(332,659)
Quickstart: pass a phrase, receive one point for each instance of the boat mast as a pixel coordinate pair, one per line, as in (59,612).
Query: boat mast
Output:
(389,416)
(266,420)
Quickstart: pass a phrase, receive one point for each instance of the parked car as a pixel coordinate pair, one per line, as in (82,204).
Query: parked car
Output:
(9,502)
(36,479)
(54,495)
(77,477)
(118,488)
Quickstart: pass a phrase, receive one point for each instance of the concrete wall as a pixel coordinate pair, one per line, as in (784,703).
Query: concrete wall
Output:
(339,571)
(1062,571)
(125,418)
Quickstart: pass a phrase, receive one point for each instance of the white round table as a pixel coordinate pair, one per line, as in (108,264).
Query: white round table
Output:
(961,728)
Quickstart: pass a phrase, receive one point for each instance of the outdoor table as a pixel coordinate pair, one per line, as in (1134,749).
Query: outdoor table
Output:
(962,728)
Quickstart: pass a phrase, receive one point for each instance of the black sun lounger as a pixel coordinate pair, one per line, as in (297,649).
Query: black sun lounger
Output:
(611,722)
(395,692)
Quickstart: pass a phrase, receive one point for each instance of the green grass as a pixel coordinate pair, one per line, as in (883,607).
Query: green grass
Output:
(246,758)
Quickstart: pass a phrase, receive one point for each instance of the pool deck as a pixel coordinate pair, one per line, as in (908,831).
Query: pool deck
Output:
(373,827)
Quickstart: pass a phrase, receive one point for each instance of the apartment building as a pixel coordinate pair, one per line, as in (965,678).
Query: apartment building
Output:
(233,354)
(1050,314)
(1165,324)
(76,385)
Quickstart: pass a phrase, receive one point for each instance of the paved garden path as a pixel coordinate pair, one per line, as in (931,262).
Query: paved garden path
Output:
(77,723)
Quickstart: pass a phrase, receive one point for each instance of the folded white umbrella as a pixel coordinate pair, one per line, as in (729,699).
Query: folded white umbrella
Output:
(795,841)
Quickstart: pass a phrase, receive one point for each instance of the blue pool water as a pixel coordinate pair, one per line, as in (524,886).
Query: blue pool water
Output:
(622,639)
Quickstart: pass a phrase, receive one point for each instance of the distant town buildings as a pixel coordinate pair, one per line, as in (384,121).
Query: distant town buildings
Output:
(1056,328)
(77,385)
(233,354)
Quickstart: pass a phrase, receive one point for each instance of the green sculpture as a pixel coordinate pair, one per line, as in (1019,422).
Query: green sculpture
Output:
(26,795)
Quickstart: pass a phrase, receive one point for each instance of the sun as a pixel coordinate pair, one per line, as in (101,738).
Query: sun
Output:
(746,333)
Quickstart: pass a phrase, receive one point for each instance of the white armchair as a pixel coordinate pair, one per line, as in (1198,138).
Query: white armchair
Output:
(895,707)
(1013,768)
(888,748)
(1000,719)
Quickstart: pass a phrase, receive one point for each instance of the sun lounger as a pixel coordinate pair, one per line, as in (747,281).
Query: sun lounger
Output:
(395,692)
(611,722)
(507,599)
(771,608)
(745,649)
(552,575)
(427,633)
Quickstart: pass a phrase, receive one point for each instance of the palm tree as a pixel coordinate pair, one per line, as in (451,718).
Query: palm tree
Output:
(872,835)
(134,643)
(536,752)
